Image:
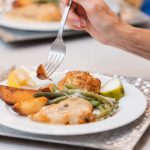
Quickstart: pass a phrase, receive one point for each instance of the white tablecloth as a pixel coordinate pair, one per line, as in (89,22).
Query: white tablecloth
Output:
(82,54)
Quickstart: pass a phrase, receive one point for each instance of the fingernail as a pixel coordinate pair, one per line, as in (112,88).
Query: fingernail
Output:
(77,24)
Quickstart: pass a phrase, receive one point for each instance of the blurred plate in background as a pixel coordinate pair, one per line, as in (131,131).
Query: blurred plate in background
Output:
(30,26)
(42,26)
(12,31)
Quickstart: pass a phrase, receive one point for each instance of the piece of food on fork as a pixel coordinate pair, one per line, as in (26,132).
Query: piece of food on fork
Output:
(58,47)
(41,72)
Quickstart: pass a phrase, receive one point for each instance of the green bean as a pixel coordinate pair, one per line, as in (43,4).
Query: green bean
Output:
(94,103)
(103,112)
(70,92)
(101,107)
(87,98)
(91,100)
(57,100)
(70,86)
(110,110)
(49,95)
(97,97)
(116,106)
(106,106)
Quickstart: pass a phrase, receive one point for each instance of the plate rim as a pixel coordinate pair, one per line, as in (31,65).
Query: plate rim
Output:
(30,26)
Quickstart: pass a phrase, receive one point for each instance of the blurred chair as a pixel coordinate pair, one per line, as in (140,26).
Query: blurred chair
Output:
(146,7)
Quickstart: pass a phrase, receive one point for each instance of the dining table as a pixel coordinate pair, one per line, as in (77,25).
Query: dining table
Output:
(83,53)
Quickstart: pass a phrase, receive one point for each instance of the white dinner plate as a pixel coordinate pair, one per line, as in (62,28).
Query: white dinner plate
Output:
(29,26)
(131,107)
(41,26)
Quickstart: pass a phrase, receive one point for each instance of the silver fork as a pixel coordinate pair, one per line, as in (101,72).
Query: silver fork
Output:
(58,47)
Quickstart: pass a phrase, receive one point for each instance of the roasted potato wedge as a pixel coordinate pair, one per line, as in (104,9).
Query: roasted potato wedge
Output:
(13,95)
(30,106)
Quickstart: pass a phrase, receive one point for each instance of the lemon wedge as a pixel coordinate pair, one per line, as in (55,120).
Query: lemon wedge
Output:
(113,88)
(20,77)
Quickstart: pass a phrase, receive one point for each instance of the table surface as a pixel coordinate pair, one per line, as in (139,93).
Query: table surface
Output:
(83,53)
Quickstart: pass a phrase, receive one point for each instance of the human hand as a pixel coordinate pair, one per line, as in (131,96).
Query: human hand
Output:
(95,17)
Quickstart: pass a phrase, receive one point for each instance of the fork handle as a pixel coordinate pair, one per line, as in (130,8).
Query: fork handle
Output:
(63,20)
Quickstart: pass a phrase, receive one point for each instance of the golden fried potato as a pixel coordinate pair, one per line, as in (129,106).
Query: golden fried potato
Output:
(41,74)
(30,106)
(13,95)
(82,80)
(69,111)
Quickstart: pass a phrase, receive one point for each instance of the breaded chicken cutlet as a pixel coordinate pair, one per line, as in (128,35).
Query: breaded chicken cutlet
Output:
(82,80)
(69,111)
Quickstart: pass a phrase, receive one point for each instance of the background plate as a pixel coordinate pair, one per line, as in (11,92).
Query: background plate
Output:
(30,26)
(42,26)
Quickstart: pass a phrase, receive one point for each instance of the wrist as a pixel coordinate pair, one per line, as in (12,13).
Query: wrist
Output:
(122,33)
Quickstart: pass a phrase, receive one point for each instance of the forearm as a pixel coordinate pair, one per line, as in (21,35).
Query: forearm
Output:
(134,40)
